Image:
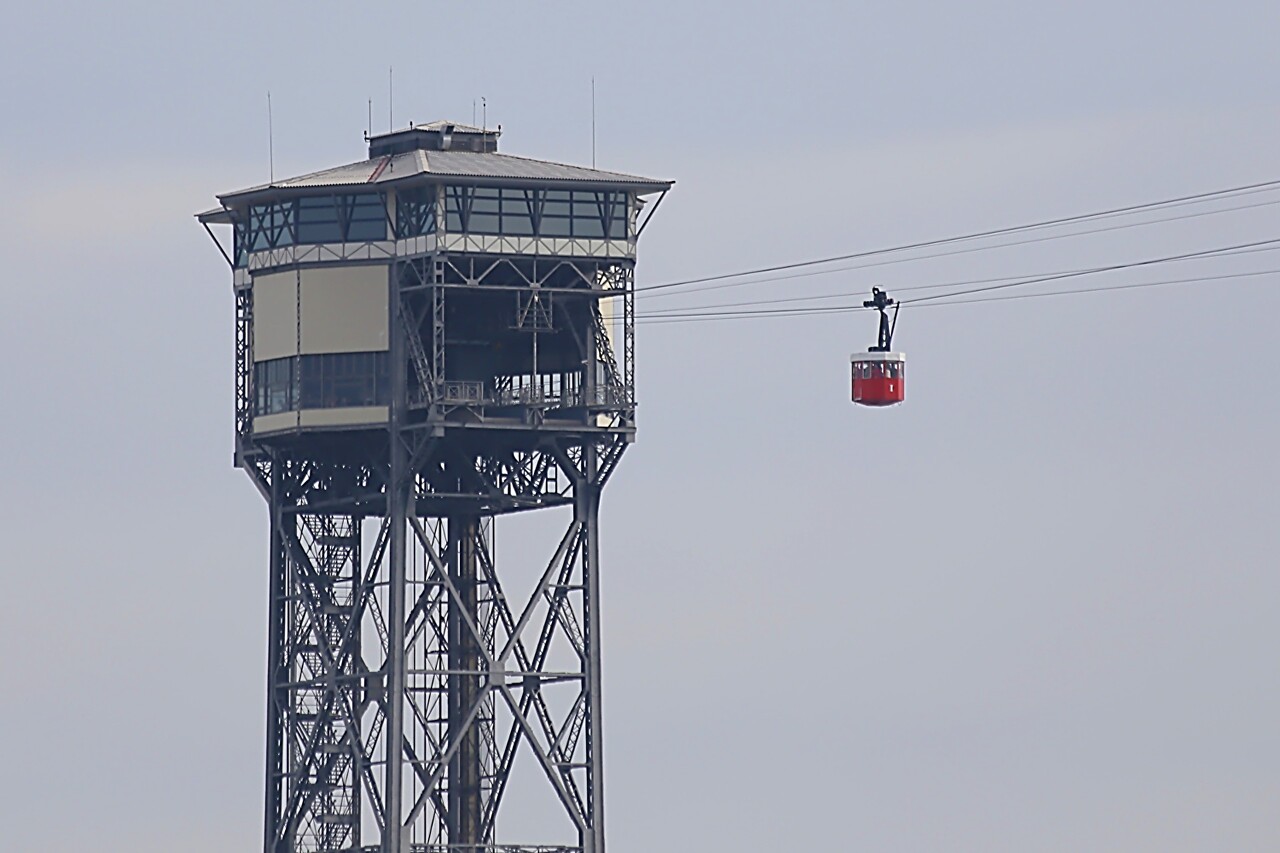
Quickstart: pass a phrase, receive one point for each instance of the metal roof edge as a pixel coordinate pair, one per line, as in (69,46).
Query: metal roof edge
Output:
(421,168)
(619,177)
(215,216)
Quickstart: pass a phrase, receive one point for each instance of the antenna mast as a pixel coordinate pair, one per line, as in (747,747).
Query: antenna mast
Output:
(271,142)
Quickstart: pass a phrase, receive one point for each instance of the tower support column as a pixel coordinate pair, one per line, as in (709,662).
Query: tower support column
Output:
(277,670)
(465,812)
(401,490)
(587,512)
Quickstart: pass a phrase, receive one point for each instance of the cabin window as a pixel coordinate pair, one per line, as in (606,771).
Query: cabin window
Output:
(274,386)
(336,218)
(336,380)
(532,212)
(325,381)
(416,211)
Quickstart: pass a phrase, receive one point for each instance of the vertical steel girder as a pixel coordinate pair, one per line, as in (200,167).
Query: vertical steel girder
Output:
(244,360)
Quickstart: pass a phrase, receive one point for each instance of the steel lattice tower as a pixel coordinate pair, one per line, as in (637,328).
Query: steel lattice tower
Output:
(426,340)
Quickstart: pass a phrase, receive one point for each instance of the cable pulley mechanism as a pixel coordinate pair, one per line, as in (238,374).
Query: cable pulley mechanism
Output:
(879,375)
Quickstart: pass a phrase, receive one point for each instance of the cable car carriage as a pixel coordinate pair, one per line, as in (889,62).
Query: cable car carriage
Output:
(879,374)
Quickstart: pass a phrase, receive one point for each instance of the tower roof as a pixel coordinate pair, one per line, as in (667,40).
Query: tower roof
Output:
(446,150)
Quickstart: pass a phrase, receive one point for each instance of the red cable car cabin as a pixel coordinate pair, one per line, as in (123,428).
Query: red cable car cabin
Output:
(878,378)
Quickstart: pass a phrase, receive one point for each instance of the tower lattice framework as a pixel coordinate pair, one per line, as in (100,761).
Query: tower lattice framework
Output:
(403,679)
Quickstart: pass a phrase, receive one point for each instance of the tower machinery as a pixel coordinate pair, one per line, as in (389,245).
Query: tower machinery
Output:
(428,339)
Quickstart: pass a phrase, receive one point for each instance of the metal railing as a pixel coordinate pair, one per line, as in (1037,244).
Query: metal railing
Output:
(462,393)
(480,848)
(455,393)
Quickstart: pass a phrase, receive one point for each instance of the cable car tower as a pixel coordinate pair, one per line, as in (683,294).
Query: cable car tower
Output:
(428,339)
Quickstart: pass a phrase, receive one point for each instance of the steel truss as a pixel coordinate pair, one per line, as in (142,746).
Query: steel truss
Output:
(484,674)
(544,290)
(404,680)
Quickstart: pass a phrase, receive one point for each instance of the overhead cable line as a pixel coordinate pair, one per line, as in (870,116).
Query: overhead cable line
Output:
(954,252)
(846,294)
(1113,212)
(1105,287)
(1205,253)
(1111,268)
(841,309)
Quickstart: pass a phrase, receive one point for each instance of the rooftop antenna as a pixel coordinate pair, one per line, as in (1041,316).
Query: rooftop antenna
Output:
(271,142)
(593,121)
(484,113)
(391,99)
(473,112)
(369,132)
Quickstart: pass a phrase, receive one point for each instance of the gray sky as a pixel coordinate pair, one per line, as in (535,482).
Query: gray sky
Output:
(1032,609)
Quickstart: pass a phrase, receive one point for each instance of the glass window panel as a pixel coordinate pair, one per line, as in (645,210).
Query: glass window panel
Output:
(317,209)
(274,386)
(282,224)
(312,391)
(590,227)
(415,212)
(370,230)
(366,217)
(556,203)
(381,377)
(366,202)
(240,244)
(519,225)
(554,226)
(618,227)
(483,223)
(458,198)
(258,228)
(319,232)
(514,201)
(556,208)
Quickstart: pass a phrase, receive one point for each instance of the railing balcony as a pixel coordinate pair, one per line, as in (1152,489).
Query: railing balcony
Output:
(481,848)
(543,396)
(463,393)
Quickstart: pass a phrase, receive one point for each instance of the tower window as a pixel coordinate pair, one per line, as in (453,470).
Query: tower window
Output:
(338,218)
(588,214)
(415,211)
(325,381)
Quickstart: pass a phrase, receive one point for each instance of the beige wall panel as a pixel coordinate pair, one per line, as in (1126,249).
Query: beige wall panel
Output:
(275,423)
(275,315)
(344,309)
(350,416)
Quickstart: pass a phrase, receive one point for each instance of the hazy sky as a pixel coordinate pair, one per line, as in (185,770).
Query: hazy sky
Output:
(1032,609)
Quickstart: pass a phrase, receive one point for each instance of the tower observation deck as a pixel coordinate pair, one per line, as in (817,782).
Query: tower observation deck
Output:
(426,340)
